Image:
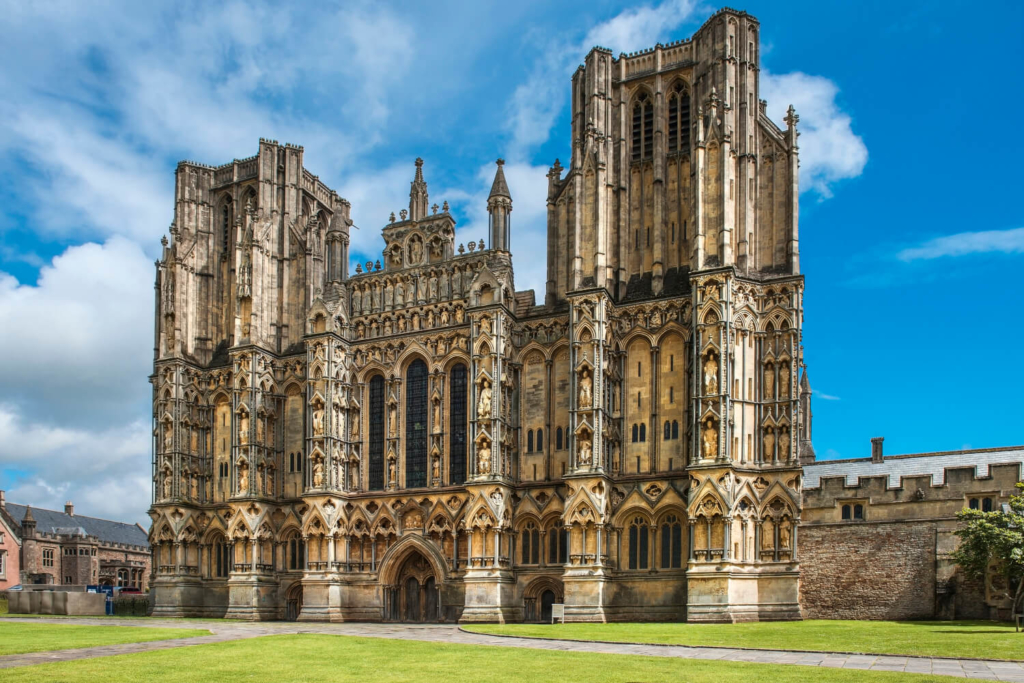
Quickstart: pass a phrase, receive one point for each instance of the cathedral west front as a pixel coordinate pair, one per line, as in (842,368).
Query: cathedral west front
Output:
(414,439)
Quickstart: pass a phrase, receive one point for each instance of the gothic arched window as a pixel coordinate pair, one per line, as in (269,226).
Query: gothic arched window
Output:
(540,440)
(376,445)
(678,119)
(643,432)
(416,424)
(225,220)
(643,127)
(668,430)
(529,441)
(638,544)
(558,439)
(636,433)
(671,543)
(675,429)
(531,544)
(457,466)
(558,545)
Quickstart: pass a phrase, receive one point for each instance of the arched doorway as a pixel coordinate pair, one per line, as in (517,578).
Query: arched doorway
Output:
(293,603)
(547,598)
(538,597)
(417,595)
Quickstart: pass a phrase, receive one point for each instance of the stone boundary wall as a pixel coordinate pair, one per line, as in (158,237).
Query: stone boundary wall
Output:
(868,571)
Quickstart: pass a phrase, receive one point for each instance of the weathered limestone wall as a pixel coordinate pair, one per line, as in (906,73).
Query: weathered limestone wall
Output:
(868,571)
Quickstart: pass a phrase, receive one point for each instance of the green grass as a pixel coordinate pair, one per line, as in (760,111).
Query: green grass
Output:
(325,658)
(21,637)
(977,639)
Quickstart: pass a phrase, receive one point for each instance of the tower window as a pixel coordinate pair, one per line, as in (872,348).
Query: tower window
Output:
(679,120)
(643,128)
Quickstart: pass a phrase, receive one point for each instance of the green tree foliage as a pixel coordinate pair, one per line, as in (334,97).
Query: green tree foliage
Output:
(994,539)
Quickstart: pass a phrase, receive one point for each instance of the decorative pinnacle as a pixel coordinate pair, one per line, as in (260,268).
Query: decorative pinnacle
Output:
(434,208)
(792,118)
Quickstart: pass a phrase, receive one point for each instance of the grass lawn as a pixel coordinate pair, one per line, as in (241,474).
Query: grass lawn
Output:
(978,639)
(17,638)
(324,658)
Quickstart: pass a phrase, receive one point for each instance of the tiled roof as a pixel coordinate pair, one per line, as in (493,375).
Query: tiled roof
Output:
(898,466)
(50,521)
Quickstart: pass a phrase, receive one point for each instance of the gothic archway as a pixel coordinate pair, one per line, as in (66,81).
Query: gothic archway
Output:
(293,602)
(413,596)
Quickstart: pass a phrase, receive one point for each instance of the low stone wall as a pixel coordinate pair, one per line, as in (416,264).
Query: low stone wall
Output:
(57,602)
(868,571)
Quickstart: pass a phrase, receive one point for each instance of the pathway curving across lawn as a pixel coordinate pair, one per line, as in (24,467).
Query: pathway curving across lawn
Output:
(955,639)
(24,636)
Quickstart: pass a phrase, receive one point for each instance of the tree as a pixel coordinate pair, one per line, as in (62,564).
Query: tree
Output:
(994,539)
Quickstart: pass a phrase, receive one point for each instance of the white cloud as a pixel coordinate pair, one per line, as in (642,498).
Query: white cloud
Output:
(823,396)
(77,345)
(963,243)
(829,149)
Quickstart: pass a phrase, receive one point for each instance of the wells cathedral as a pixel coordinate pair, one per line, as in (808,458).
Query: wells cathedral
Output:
(413,439)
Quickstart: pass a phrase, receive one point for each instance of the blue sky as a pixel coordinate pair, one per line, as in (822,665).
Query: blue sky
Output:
(912,230)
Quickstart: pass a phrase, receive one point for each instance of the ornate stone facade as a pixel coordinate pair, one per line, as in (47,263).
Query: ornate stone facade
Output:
(417,440)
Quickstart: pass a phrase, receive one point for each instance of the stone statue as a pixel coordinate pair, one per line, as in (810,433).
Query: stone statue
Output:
(437,416)
(483,406)
(586,389)
(783,442)
(399,294)
(168,436)
(483,458)
(339,423)
(354,474)
(586,451)
(355,424)
(396,257)
(710,440)
(391,472)
(318,420)
(389,295)
(710,375)
(767,535)
(194,441)
(167,484)
(459,315)
(393,420)
(436,471)
(769,382)
(784,536)
(270,481)
(243,477)
(194,487)
(445,316)
(769,442)
(243,427)
(784,381)
(259,430)
(318,472)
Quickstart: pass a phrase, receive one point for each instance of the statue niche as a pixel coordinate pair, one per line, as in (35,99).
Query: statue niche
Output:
(586,395)
(483,406)
(483,456)
(710,374)
(710,439)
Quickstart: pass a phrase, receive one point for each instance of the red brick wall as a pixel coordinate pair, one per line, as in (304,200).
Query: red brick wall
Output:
(868,571)
(11,575)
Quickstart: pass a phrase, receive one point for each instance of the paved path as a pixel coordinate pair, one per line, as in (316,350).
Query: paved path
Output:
(236,630)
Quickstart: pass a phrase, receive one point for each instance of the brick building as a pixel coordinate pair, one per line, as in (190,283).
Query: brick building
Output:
(49,547)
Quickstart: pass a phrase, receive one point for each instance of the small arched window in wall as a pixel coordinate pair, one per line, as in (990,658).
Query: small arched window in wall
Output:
(540,440)
(675,429)
(668,430)
(846,512)
(529,441)
(638,540)
(643,127)
(636,433)
(678,119)
(558,439)
(858,511)
(973,503)
(558,545)
(531,544)
(643,433)
(986,505)
(671,543)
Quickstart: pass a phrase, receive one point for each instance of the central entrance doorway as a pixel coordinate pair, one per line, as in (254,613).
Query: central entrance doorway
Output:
(415,599)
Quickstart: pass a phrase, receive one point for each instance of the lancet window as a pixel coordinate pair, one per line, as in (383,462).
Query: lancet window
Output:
(458,424)
(643,127)
(678,119)
(416,424)
(671,543)
(376,441)
(638,543)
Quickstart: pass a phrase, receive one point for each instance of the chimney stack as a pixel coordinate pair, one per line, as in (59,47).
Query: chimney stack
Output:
(876,449)
(69,508)
(3,500)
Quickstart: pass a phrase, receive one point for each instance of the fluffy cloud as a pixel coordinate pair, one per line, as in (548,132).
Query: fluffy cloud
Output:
(829,149)
(963,243)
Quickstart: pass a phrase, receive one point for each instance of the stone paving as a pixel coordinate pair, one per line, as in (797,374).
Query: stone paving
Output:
(236,630)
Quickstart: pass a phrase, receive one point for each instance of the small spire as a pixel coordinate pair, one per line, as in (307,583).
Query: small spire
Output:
(28,514)
(499,188)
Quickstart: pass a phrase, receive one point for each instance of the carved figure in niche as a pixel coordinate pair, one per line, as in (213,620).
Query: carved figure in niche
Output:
(769,382)
(430,319)
(353,472)
(376,298)
(393,420)
(415,251)
(396,257)
(436,469)
(483,457)
(387,327)
(194,441)
(366,300)
(444,285)
(318,420)
(711,375)
(194,487)
(437,416)
(445,316)
(586,450)
(168,436)
(767,535)
(339,423)
(167,483)
(433,288)
(243,477)
(769,442)
(421,288)
(391,472)
(259,430)
(243,427)
(710,439)
(483,406)
(783,442)
(459,315)
(403,324)
(318,472)
(784,380)
(389,295)
(270,481)
(784,535)
(586,389)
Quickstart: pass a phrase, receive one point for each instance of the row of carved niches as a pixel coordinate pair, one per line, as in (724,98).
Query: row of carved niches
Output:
(261,483)
(426,318)
(192,482)
(386,292)
(410,248)
(544,332)
(438,346)
(651,316)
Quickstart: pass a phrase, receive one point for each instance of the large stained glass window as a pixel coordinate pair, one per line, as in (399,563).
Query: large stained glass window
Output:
(376,433)
(416,424)
(457,411)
